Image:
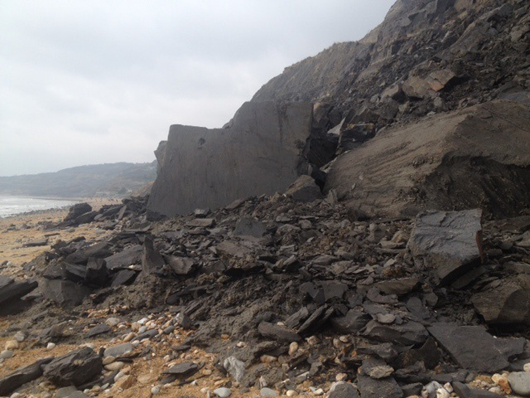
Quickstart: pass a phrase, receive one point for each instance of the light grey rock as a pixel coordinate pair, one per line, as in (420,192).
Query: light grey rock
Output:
(235,368)
(448,242)
(260,152)
(268,392)
(520,383)
(222,392)
(118,350)
(6,354)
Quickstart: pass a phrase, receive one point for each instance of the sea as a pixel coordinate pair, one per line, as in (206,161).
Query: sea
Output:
(13,205)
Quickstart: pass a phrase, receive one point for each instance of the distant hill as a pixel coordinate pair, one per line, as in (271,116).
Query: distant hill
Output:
(111,179)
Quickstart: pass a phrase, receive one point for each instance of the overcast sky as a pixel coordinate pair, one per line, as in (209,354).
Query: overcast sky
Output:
(89,81)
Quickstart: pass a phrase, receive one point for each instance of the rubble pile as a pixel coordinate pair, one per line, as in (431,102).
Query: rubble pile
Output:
(288,296)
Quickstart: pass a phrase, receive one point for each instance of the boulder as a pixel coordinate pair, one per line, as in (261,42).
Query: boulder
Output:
(260,152)
(406,334)
(131,255)
(371,388)
(249,226)
(304,189)
(77,368)
(450,243)
(447,162)
(508,303)
(475,349)
(77,210)
(64,293)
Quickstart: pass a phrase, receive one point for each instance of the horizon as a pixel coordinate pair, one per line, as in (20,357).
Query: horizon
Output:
(85,83)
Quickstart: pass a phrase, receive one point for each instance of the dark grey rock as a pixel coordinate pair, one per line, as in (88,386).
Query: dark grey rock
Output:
(464,391)
(64,293)
(384,351)
(294,320)
(151,260)
(11,290)
(74,272)
(304,189)
(99,329)
(353,322)
(124,277)
(76,210)
(475,349)
(276,332)
(97,272)
(371,388)
(77,368)
(412,389)
(448,242)
(183,370)
(407,334)
(508,303)
(129,256)
(86,218)
(259,153)
(317,319)
(22,376)
(344,390)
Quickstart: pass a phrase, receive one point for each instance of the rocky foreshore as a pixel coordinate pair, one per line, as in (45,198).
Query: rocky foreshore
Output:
(272,297)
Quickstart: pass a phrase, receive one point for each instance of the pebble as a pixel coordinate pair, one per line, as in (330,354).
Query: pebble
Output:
(267,359)
(222,392)
(442,393)
(291,393)
(344,339)
(155,390)
(143,329)
(114,366)
(146,379)
(129,337)
(341,377)
(293,347)
(50,346)
(118,350)
(11,345)
(502,382)
(112,321)
(520,383)
(527,367)
(268,392)
(108,360)
(6,354)
(19,336)
(124,382)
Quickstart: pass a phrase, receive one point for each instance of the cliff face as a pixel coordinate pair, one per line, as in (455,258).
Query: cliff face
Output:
(426,56)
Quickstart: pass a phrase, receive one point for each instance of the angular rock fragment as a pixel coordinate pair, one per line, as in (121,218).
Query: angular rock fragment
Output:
(212,168)
(353,322)
(450,243)
(408,333)
(36,243)
(77,210)
(180,265)
(475,349)
(64,293)
(508,303)
(130,256)
(398,287)
(181,371)
(77,368)
(376,368)
(124,277)
(277,332)
(343,390)
(151,260)
(371,388)
(304,189)
(11,290)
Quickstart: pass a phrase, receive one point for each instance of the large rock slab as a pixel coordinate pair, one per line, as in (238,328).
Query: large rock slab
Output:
(260,152)
(450,242)
(11,290)
(448,162)
(475,349)
(77,368)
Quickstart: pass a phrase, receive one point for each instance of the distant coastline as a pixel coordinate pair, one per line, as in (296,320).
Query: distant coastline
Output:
(13,205)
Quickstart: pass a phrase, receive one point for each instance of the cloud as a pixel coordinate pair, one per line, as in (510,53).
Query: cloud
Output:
(91,82)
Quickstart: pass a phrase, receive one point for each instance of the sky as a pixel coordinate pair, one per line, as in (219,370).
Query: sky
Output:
(90,81)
